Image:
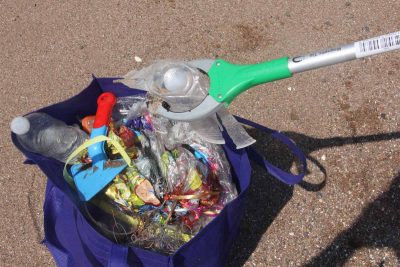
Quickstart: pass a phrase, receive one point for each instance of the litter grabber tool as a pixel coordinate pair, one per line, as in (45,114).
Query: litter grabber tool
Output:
(90,181)
(228,80)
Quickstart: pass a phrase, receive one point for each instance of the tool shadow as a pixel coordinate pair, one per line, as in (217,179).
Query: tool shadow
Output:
(377,227)
(267,196)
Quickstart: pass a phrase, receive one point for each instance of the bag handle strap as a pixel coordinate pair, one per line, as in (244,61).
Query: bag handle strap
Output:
(281,175)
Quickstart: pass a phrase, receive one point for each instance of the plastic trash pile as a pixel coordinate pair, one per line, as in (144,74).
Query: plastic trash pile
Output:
(176,184)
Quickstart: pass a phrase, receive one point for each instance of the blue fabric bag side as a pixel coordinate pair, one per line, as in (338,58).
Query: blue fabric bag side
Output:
(73,241)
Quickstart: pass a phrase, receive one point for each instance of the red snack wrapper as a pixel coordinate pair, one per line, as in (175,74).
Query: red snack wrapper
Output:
(127,136)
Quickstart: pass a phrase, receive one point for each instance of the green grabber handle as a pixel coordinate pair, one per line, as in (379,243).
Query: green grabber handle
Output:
(228,80)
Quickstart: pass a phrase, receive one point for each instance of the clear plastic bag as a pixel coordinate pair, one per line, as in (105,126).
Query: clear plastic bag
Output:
(129,107)
(235,130)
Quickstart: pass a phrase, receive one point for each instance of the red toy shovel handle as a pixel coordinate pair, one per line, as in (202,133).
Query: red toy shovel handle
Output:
(105,104)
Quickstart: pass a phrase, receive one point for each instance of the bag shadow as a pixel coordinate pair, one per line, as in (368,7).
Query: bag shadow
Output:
(267,196)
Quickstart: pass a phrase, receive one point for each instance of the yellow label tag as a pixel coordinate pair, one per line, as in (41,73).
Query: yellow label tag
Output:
(194,179)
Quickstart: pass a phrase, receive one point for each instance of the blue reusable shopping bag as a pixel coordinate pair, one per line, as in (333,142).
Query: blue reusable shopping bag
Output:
(74,241)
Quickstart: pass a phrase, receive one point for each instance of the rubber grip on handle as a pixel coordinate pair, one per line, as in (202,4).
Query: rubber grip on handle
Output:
(105,104)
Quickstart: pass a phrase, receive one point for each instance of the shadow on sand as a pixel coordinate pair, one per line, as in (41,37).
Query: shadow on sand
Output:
(268,196)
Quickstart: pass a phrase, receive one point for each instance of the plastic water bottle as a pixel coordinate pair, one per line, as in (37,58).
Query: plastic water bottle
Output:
(40,133)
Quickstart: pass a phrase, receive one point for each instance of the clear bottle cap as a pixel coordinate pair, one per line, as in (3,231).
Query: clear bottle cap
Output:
(20,125)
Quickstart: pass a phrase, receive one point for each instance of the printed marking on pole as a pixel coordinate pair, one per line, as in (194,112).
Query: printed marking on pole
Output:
(377,45)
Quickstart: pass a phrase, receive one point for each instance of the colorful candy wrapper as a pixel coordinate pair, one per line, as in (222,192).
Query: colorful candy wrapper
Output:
(127,136)
(192,191)
(169,170)
(132,151)
(217,161)
(131,229)
(131,189)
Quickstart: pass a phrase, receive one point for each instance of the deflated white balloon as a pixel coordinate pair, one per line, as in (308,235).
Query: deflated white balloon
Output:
(176,79)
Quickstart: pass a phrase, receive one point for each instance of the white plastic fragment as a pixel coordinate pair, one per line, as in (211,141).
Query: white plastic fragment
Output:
(138,59)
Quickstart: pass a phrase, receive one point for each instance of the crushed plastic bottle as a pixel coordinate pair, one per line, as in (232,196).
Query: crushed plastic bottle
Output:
(184,87)
(40,133)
